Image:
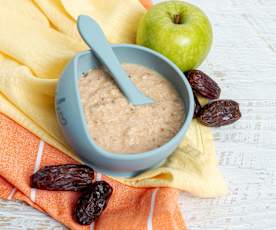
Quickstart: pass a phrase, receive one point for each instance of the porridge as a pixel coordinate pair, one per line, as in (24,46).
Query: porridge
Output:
(120,127)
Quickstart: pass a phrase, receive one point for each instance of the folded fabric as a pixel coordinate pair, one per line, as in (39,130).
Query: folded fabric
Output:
(34,48)
(22,153)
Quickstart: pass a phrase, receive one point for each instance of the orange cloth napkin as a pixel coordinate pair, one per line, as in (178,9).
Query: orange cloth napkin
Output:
(22,153)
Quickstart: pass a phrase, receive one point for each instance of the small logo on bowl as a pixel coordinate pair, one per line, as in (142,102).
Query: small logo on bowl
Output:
(61,100)
(61,117)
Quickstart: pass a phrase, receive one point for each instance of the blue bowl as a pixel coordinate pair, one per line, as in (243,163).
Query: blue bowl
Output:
(72,120)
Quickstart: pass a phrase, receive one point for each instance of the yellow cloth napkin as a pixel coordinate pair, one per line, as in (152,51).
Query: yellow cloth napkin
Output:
(37,39)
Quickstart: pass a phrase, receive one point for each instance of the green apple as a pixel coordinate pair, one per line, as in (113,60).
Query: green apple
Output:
(178,30)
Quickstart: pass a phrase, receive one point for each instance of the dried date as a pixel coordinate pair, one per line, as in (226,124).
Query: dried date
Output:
(93,202)
(202,84)
(68,177)
(219,113)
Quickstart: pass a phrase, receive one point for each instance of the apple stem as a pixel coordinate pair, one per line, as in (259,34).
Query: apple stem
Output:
(177,19)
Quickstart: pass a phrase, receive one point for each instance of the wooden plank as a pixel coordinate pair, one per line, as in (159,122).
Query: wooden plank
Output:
(243,61)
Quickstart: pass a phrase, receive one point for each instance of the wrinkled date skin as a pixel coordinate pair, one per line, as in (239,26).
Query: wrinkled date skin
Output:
(197,106)
(219,113)
(68,177)
(93,202)
(202,84)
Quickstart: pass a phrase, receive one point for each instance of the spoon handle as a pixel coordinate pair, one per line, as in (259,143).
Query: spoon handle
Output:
(94,37)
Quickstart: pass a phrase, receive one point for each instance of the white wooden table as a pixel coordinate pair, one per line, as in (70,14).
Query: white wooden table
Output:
(243,61)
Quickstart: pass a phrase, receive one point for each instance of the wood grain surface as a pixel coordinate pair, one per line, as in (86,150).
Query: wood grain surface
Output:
(243,62)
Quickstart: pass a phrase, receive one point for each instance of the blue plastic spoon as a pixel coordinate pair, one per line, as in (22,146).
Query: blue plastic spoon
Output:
(94,37)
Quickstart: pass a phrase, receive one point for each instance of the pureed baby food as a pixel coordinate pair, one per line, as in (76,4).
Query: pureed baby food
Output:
(120,127)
